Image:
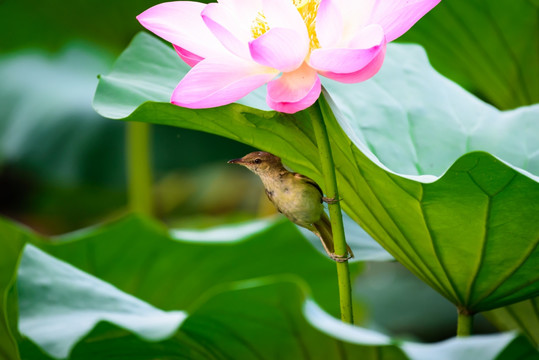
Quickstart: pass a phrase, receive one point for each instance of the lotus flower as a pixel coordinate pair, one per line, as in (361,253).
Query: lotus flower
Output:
(236,46)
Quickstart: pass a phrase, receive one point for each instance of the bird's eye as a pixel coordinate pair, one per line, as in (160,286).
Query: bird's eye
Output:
(258,161)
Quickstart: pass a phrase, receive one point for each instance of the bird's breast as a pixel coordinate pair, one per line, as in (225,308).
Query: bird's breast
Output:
(300,202)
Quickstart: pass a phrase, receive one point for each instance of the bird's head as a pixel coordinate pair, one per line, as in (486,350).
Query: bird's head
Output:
(259,162)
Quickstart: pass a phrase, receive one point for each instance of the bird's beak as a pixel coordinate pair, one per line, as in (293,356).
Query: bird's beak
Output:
(236,161)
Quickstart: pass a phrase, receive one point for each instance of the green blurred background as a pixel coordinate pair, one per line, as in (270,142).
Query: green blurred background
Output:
(62,166)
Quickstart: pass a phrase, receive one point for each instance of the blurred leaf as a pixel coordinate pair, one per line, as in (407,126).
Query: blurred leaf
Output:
(490,47)
(381,283)
(175,270)
(522,316)
(475,202)
(12,242)
(52,144)
(55,148)
(171,270)
(239,320)
(48,125)
(259,318)
(76,302)
(46,109)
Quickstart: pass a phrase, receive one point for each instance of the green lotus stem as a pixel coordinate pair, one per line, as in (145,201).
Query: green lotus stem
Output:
(320,113)
(139,170)
(464,323)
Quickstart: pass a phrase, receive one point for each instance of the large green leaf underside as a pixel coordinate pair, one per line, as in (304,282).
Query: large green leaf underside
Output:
(83,317)
(490,47)
(472,234)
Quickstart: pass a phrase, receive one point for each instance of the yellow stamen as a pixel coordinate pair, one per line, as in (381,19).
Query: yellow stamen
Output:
(307,9)
(260,25)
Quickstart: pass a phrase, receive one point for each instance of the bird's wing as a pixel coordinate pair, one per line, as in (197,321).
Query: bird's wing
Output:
(270,197)
(309,181)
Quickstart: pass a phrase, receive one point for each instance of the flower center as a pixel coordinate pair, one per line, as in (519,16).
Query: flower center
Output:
(307,9)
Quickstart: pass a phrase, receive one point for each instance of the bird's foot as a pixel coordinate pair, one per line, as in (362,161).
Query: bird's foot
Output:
(341,258)
(330,200)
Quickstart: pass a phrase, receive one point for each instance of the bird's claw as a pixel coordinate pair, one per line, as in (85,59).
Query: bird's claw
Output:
(330,200)
(341,258)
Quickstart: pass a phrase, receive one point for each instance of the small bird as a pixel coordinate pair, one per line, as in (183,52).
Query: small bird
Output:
(295,196)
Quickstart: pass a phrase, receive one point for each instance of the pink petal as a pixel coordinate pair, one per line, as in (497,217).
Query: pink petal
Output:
(398,16)
(245,9)
(354,14)
(233,32)
(329,23)
(294,91)
(214,82)
(279,48)
(342,61)
(366,46)
(369,36)
(189,58)
(180,23)
(361,75)
(283,14)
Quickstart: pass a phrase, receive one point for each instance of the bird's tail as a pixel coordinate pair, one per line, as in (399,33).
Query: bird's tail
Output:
(324,232)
